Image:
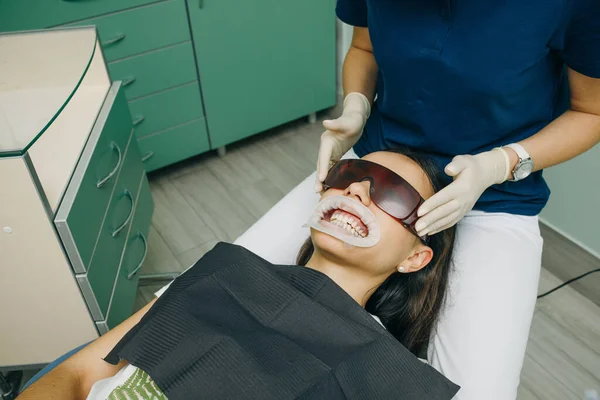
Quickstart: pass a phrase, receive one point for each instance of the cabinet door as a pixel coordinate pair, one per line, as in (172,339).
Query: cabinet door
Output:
(263,62)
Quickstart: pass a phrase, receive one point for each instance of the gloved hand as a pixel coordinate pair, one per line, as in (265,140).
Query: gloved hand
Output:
(341,134)
(472,176)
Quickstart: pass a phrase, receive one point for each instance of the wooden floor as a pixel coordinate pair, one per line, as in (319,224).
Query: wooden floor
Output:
(208,199)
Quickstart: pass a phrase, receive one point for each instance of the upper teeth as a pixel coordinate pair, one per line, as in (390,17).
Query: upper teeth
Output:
(347,222)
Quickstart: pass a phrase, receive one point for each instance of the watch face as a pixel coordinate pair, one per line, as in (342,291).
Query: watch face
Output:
(524,170)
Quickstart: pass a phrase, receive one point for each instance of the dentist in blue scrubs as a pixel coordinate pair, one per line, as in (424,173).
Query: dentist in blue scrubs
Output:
(476,85)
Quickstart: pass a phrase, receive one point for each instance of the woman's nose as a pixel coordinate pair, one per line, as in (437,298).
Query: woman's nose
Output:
(360,191)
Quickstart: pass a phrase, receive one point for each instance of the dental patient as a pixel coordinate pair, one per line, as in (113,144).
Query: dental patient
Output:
(346,323)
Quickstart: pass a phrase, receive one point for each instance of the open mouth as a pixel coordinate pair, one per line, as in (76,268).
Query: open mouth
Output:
(348,221)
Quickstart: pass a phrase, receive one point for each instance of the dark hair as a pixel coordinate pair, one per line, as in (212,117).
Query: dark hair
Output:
(409,304)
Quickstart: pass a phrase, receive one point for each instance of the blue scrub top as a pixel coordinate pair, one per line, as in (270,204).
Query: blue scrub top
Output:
(465,76)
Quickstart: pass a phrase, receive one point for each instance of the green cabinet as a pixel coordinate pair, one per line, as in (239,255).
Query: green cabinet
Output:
(263,63)
(86,209)
(102,270)
(138,30)
(136,250)
(155,71)
(101,206)
(16,15)
(164,110)
(177,143)
(199,75)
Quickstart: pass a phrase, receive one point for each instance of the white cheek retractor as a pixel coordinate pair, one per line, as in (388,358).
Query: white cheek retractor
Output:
(344,230)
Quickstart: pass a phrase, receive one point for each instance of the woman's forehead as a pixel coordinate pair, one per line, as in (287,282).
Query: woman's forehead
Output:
(406,168)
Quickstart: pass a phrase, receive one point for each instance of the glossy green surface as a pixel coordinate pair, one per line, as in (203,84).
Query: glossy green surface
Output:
(102,270)
(155,71)
(174,145)
(121,306)
(166,109)
(37,14)
(90,203)
(141,29)
(263,62)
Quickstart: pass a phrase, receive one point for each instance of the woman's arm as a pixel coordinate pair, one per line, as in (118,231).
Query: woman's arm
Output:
(574,132)
(360,69)
(73,379)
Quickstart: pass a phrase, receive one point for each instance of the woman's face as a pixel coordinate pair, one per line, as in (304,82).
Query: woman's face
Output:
(397,246)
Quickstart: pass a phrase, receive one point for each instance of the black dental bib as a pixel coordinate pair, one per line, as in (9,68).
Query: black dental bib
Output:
(235,326)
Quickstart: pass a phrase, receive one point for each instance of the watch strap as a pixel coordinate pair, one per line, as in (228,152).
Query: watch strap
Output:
(520,150)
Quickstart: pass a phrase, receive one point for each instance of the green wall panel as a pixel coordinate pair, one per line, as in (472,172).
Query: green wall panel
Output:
(573,208)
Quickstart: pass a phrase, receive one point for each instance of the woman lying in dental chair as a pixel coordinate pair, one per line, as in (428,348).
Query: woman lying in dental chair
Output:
(345,324)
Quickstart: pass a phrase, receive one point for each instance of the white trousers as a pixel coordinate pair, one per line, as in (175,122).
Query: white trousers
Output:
(482,335)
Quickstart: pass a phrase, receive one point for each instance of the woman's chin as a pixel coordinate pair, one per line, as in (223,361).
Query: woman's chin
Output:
(328,244)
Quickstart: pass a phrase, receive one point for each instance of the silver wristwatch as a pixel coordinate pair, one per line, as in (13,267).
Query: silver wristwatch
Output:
(524,167)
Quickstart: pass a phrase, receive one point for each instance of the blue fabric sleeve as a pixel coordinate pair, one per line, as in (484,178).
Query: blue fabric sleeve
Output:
(352,12)
(582,39)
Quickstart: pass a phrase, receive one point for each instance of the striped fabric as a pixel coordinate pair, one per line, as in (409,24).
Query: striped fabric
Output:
(139,386)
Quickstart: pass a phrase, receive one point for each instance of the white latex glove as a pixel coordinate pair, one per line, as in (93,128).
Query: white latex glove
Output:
(472,176)
(341,134)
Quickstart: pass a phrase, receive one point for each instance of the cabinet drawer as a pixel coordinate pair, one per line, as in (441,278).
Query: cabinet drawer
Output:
(86,199)
(174,145)
(155,71)
(166,109)
(36,14)
(141,29)
(103,267)
(121,304)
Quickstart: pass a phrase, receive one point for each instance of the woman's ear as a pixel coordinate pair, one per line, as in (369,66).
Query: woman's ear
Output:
(419,259)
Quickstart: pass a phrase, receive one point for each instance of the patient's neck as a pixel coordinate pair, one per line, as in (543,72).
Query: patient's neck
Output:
(358,284)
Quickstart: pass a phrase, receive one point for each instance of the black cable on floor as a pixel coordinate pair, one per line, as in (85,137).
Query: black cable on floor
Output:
(568,282)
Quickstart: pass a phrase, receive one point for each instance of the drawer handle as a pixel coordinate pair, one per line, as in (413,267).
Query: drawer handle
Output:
(200,3)
(112,173)
(127,194)
(138,120)
(128,81)
(114,40)
(131,274)
(147,156)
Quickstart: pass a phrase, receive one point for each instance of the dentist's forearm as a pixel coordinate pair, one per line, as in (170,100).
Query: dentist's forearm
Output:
(574,132)
(360,69)
(570,135)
